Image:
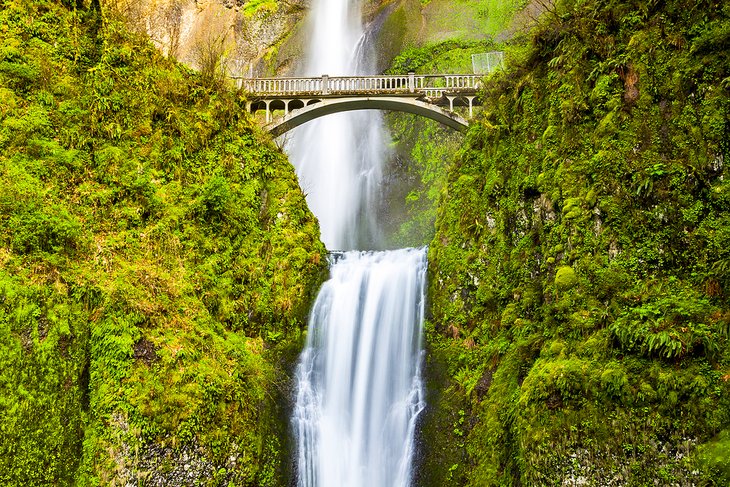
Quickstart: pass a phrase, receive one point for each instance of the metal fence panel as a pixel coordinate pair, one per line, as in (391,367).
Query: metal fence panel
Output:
(487,62)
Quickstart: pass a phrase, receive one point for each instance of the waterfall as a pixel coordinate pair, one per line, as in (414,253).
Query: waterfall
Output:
(338,158)
(359,382)
(359,389)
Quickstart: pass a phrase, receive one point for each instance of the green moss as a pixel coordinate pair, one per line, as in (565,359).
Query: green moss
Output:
(453,56)
(589,203)
(565,277)
(158,261)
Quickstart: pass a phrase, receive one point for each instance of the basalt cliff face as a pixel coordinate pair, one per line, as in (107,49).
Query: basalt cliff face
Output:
(244,35)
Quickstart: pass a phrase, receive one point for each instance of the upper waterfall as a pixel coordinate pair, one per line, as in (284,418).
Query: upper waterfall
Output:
(339,158)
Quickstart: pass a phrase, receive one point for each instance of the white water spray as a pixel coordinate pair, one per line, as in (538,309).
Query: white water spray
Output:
(359,382)
(339,157)
(359,389)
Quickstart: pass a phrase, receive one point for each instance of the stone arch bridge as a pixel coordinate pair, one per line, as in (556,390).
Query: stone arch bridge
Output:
(304,99)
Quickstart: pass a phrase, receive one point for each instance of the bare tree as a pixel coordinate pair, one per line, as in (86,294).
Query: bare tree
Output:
(171,21)
(210,58)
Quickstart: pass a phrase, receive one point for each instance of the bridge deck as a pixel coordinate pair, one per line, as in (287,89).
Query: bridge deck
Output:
(423,85)
(420,94)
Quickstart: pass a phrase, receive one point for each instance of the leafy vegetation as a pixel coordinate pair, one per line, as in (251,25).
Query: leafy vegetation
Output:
(439,58)
(421,147)
(578,275)
(157,259)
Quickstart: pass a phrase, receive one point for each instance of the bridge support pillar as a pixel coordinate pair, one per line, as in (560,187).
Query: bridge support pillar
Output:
(451,102)
(471,105)
(268,111)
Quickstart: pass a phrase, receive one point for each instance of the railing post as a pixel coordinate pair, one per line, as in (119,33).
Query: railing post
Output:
(411,81)
(325,84)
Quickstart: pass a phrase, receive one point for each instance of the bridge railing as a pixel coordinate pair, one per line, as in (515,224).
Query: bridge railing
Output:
(344,85)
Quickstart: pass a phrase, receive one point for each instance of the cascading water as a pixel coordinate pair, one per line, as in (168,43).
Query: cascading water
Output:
(359,389)
(339,157)
(359,382)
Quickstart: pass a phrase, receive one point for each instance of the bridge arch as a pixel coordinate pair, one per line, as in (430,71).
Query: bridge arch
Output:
(328,106)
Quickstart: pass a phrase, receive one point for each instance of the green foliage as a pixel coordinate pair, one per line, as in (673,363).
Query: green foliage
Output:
(437,58)
(673,324)
(151,241)
(465,19)
(578,274)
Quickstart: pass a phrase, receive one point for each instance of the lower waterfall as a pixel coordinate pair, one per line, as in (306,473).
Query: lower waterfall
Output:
(359,389)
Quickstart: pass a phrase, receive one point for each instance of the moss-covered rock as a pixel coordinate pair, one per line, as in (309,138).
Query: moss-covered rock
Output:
(580,257)
(158,261)
(565,278)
